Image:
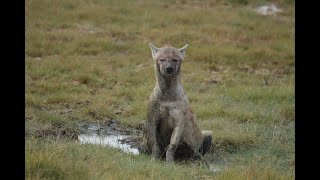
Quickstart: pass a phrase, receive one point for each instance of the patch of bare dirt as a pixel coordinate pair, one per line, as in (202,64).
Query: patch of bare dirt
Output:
(53,131)
(278,72)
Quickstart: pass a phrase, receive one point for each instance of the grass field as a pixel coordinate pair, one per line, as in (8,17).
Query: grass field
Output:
(89,60)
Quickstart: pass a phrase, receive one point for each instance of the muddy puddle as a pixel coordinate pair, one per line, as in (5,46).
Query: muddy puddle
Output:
(111,134)
(266,10)
(115,141)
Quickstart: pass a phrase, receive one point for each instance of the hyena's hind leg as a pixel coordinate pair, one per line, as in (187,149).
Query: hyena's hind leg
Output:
(206,142)
(205,145)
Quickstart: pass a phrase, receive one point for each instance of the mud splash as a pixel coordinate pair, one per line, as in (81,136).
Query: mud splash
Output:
(112,134)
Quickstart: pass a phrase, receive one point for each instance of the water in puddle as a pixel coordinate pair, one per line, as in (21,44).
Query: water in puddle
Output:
(271,9)
(214,168)
(108,140)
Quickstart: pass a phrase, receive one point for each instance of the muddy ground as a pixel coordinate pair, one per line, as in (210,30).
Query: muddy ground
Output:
(110,127)
(113,127)
(134,137)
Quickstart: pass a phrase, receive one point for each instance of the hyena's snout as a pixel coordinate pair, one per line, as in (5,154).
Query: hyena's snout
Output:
(169,69)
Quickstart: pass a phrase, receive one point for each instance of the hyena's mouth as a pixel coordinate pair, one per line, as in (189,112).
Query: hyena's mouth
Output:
(168,74)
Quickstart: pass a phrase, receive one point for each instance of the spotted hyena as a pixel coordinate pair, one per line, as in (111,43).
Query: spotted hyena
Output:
(171,127)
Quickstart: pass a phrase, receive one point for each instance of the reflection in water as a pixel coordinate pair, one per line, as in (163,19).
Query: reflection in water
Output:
(108,140)
(214,168)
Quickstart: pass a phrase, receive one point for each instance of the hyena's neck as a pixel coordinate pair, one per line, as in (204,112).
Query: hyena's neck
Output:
(169,88)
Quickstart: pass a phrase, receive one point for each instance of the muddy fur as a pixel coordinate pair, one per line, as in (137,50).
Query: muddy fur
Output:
(171,131)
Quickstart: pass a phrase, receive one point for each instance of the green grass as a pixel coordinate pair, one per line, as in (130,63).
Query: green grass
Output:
(88,61)
(71,160)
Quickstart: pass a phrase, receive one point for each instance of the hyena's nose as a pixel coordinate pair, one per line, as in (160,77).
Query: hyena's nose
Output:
(169,69)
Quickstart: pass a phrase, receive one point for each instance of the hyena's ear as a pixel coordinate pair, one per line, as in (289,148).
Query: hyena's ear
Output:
(154,50)
(183,50)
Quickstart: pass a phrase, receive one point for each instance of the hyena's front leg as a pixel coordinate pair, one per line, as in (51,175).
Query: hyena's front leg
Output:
(155,150)
(178,115)
(174,142)
(153,117)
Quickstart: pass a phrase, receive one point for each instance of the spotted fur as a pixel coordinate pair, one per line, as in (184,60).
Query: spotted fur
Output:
(172,130)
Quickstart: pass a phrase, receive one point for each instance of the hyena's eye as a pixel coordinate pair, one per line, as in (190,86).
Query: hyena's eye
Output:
(162,60)
(175,60)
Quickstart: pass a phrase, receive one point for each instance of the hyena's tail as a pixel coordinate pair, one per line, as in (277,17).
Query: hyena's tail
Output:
(206,142)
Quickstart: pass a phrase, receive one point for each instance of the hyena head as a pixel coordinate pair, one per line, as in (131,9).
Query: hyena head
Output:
(168,59)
